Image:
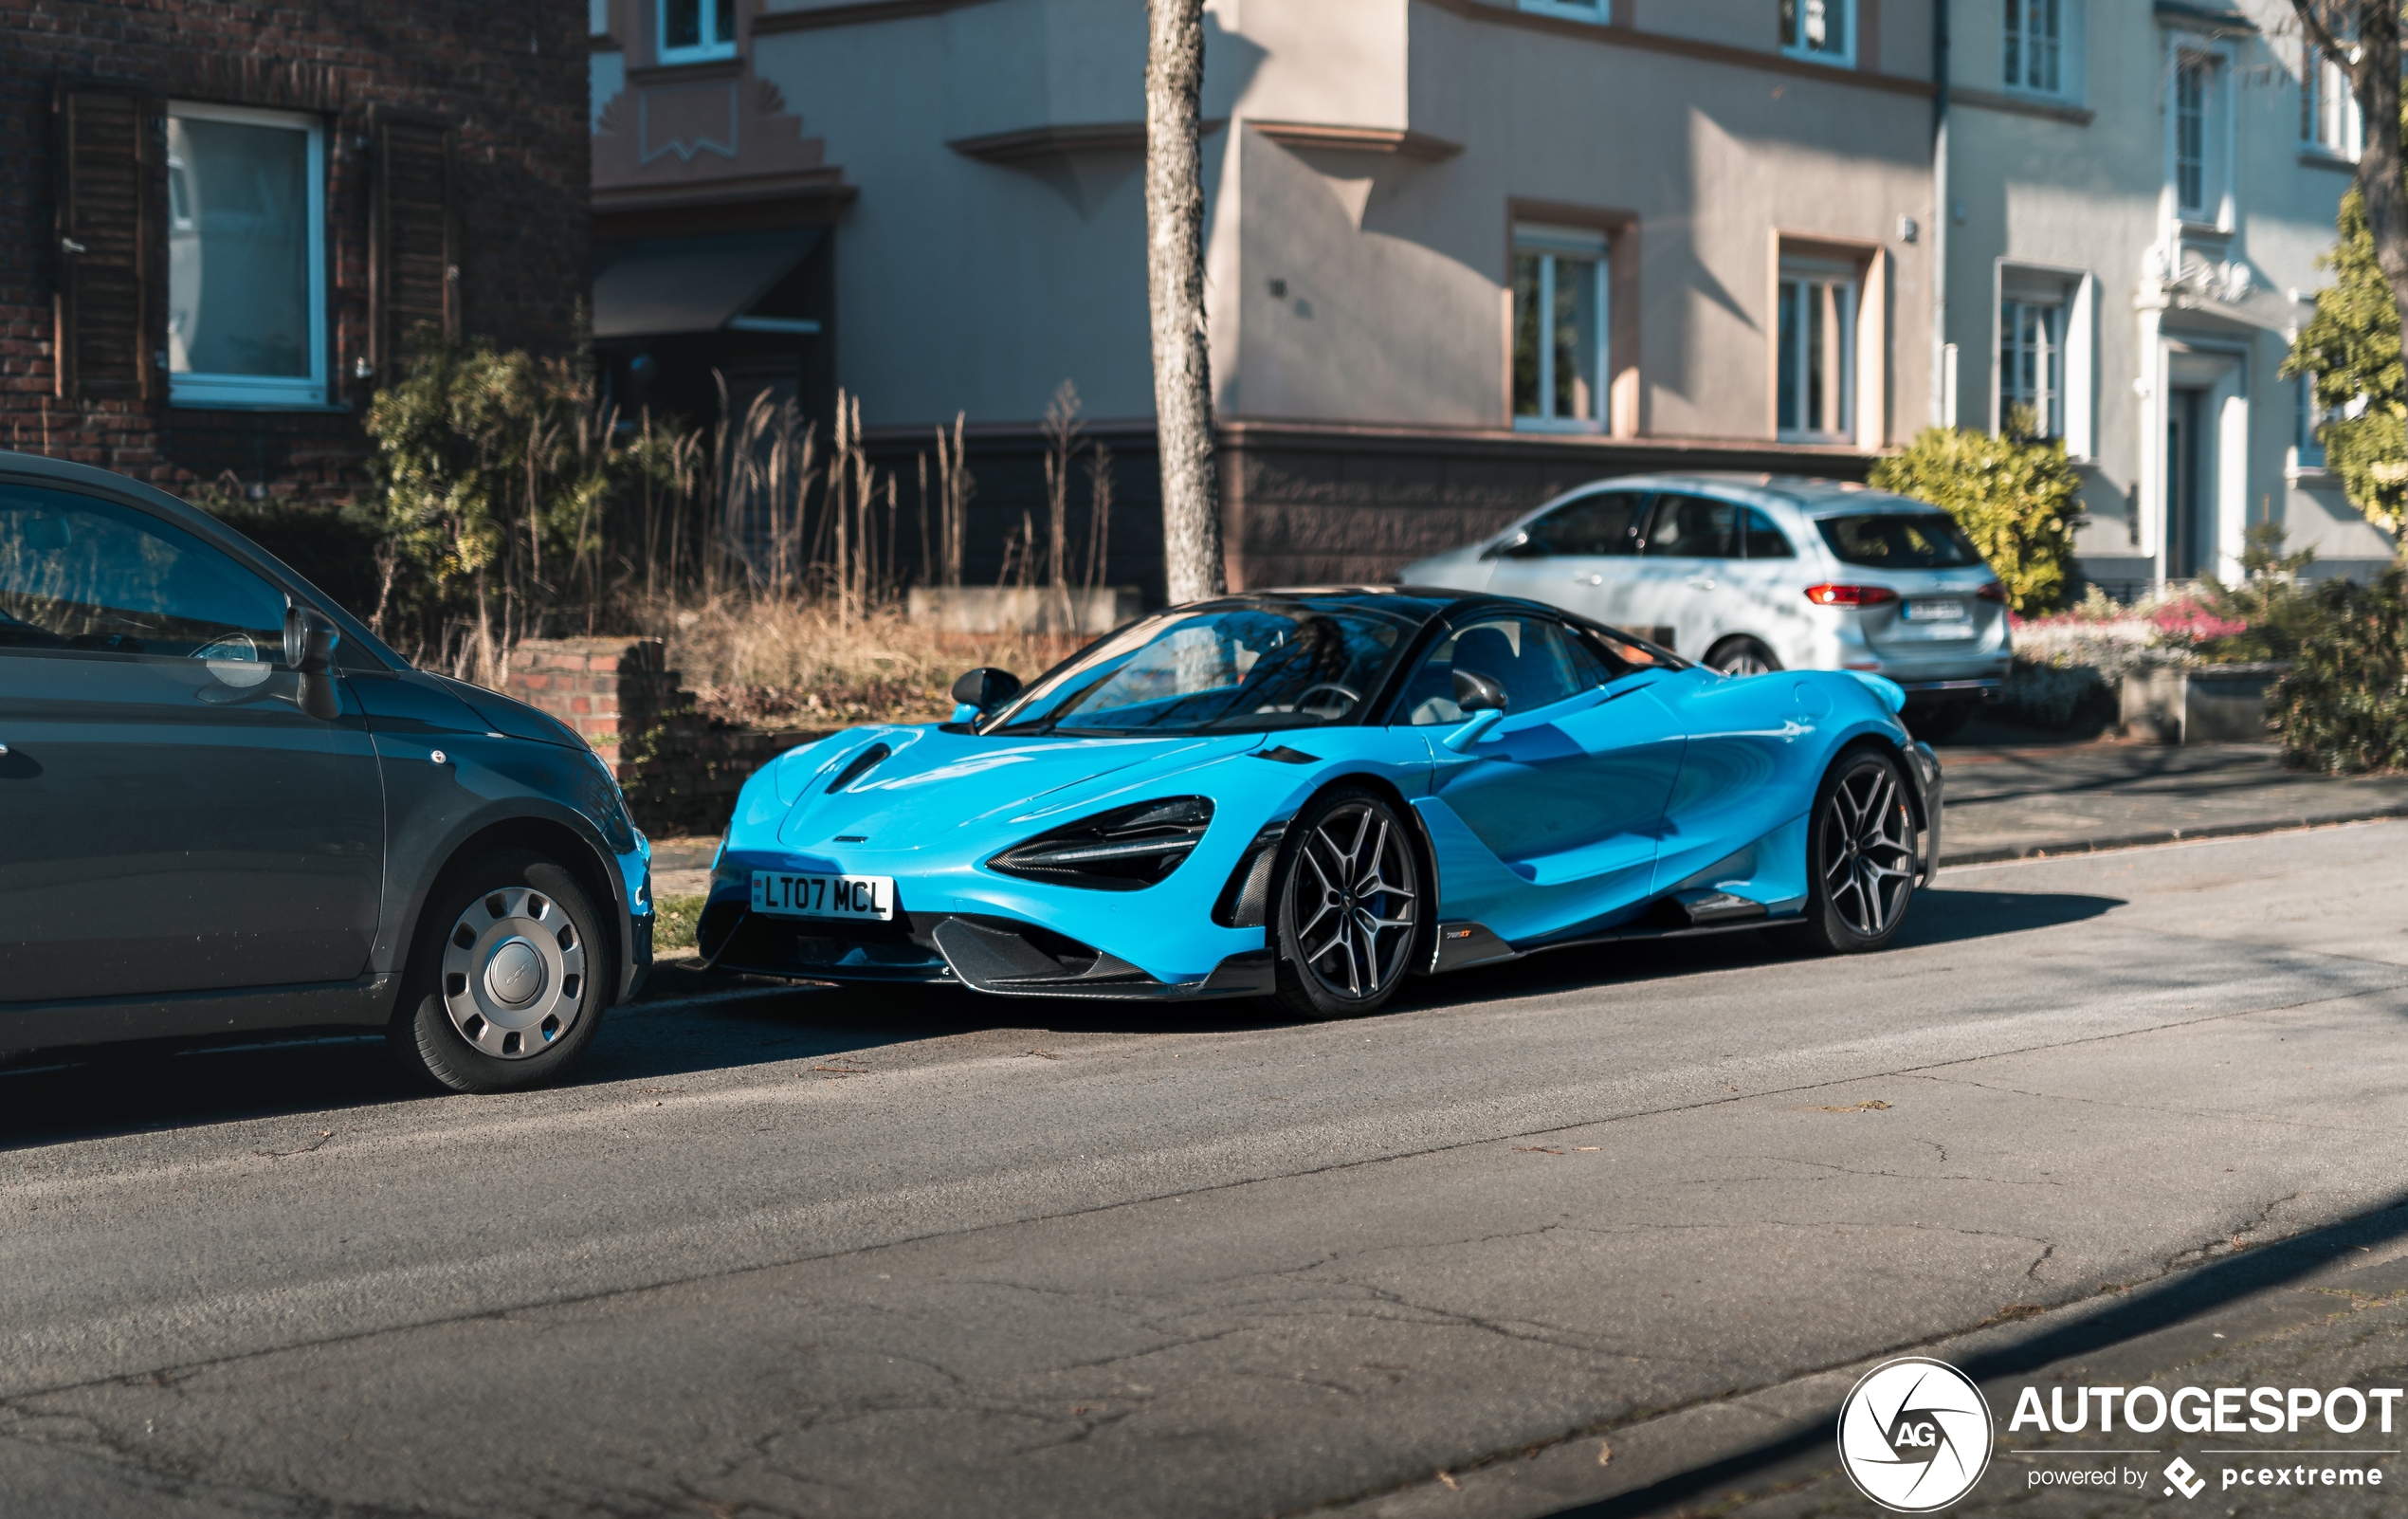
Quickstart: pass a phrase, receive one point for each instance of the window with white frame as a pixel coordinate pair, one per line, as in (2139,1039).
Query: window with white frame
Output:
(1559,329)
(246,257)
(2329,119)
(2032,364)
(2035,54)
(694,32)
(1823,31)
(1601,11)
(2197,194)
(1814,388)
(2307,444)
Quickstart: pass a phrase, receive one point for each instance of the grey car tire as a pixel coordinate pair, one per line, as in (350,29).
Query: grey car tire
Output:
(1742,656)
(1861,855)
(508,979)
(1346,906)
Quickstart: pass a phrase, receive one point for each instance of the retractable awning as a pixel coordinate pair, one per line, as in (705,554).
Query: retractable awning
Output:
(687,285)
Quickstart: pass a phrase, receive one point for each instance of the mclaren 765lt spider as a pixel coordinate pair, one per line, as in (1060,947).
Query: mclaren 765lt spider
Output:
(1309,795)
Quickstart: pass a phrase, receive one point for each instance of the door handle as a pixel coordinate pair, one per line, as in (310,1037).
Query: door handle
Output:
(3,751)
(1701,582)
(1588,579)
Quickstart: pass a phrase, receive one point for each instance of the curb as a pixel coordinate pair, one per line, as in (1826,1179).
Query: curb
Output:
(2050,849)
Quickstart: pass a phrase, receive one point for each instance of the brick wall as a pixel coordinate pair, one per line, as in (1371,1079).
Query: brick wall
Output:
(681,773)
(510,76)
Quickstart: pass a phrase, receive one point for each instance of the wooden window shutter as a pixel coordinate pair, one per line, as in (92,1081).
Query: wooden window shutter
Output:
(413,247)
(108,140)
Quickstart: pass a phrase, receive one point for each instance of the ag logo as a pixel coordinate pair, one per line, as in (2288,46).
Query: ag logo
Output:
(1914,1435)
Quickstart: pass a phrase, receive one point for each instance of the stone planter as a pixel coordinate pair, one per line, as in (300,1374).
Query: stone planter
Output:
(2198,703)
(988,609)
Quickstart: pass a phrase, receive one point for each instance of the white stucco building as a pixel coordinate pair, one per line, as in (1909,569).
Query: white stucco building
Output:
(1466,252)
(2138,193)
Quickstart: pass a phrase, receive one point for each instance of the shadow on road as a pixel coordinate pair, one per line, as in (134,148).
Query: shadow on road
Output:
(2180,1297)
(91,1094)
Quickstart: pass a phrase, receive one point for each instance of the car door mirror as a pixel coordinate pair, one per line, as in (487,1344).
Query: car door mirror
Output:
(1520,546)
(310,640)
(982,691)
(1475,692)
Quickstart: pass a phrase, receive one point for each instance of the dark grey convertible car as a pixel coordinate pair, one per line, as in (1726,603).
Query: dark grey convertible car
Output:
(226,807)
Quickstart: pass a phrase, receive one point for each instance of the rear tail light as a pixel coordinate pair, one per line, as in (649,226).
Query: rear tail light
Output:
(1850,595)
(1993,592)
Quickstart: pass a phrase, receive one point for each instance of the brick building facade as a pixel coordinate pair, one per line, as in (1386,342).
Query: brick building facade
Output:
(219,219)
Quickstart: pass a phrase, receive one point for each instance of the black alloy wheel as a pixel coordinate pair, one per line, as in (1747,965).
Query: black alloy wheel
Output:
(507,977)
(1861,851)
(1348,907)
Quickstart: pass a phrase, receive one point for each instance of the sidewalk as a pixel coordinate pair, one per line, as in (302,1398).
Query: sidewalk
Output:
(2014,793)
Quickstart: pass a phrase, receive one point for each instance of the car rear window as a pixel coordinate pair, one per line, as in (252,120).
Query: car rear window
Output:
(1899,540)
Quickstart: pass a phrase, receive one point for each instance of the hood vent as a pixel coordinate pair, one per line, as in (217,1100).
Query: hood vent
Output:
(863,763)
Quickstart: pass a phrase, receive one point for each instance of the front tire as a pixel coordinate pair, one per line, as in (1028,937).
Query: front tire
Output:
(508,979)
(1861,847)
(1347,907)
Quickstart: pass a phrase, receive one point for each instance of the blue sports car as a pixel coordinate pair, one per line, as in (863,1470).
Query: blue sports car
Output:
(1309,795)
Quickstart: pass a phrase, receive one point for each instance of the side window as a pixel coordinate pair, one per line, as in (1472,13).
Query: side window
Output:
(1762,540)
(1530,657)
(1607,522)
(80,574)
(1694,527)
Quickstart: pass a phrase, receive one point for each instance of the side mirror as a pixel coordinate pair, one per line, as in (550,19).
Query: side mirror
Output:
(1520,546)
(310,638)
(1475,692)
(982,691)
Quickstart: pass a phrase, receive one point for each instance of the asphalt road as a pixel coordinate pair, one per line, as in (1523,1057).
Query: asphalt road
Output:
(822,1254)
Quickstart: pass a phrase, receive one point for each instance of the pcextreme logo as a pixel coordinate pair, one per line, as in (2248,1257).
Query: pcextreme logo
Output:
(1914,1435)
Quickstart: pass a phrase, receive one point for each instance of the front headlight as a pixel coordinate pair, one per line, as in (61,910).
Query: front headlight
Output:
(1125,849)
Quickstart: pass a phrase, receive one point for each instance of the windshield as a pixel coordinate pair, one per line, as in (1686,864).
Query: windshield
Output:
(1220,669)
(1896,540)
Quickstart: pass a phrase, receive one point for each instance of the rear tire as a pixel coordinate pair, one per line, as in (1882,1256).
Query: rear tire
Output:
(1742,656)
(1861,852)
(1346,906)
(507,977)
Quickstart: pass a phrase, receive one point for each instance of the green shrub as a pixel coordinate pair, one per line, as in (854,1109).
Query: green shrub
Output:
(2344,706)
(2016,499)
(334,548)
(2352,347)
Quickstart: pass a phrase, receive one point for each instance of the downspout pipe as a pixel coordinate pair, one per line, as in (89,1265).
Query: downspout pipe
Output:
(1939,212)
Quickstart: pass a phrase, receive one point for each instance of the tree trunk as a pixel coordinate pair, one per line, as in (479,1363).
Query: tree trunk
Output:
(1174,286)
(2373,78)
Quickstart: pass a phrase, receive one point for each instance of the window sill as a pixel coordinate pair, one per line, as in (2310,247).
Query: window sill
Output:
(2023,103)
(2202,230)
(1556,425)
(2326,158)
(2315,477)
(193,403)
(684,57)
(1825,60)
(1600,15)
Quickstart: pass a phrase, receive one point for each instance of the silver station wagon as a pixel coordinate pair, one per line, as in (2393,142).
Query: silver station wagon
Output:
(1757,572)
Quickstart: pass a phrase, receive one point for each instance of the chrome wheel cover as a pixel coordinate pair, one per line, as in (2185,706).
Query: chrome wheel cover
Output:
(1351,901)
(1867,849)
(513,973)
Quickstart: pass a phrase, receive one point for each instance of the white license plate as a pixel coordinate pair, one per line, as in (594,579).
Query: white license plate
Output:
(1937,612)
(784,895)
